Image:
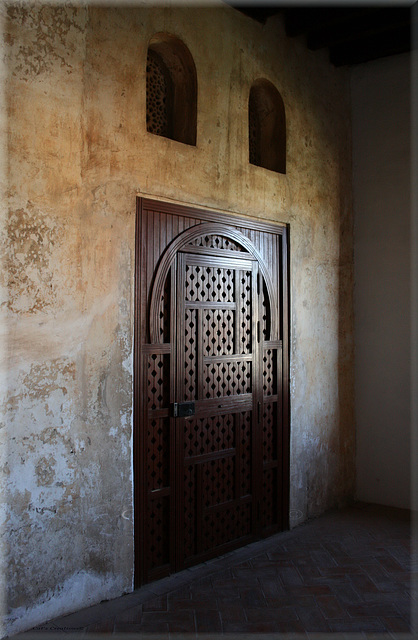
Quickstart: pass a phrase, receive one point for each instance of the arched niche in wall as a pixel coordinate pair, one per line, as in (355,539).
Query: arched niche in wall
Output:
(267,127)
(171,89)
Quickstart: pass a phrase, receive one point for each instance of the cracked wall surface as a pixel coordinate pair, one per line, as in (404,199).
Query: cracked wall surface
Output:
(78,155)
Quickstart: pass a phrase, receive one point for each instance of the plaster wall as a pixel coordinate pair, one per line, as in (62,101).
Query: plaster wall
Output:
(381,101)
(78,154)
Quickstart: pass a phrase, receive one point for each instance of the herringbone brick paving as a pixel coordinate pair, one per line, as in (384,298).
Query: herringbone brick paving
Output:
(349,571)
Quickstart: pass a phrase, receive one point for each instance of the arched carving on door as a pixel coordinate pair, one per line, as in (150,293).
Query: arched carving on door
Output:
(180,242)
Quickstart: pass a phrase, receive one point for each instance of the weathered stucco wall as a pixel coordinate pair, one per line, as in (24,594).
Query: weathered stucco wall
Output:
(78,155)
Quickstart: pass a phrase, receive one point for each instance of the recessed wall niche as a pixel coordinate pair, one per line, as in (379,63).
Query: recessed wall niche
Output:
(267,127)
(171,89)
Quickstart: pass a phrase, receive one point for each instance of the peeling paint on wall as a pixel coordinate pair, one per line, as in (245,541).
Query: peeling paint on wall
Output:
(31,240)
(78,154)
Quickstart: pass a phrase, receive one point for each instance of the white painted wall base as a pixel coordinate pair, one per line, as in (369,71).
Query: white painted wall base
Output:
(80,591)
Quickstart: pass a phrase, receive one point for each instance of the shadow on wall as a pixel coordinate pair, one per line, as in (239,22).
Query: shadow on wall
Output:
(171,89)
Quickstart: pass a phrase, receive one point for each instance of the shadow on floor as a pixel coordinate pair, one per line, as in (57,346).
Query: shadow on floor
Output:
(349,571)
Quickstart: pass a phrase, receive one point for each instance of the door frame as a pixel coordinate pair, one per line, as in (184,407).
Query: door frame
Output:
(213,216)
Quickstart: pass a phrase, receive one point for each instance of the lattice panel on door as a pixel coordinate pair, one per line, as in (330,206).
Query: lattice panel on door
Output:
(158,453)
(158,86)
(209,284)
(270,432)
(226,379)
(269,372)
(266,314)
(158,376)
(218,332)
(218,481)
(245,327)
(207,435)
(246,453)
(190,361)
(268,511)
(158,532)
(189,510)
(216,242)
(220,527)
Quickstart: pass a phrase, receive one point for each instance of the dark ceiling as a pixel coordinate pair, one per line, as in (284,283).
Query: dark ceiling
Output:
(352,34)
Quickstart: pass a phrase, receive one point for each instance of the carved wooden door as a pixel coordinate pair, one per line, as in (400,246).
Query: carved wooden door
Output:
(211,410)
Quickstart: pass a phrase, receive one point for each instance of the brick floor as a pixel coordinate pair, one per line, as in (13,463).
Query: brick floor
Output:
(347,572)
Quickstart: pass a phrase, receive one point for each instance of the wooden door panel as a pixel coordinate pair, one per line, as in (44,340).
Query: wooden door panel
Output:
(210,329)
(218,484)
(216,298)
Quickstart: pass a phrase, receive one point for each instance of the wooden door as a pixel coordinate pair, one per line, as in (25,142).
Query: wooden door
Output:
(211,371)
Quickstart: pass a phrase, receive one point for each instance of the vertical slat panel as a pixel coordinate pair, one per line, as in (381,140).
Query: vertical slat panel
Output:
(285,379)
(173,395)
(257,392)
(180,392)
(138,445)
(199,508)
(163,233)
(238,448)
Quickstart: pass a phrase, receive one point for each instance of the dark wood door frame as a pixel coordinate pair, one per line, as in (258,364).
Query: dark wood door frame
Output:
(162,231)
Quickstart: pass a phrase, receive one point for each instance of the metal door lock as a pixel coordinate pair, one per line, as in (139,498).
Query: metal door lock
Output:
(183,409)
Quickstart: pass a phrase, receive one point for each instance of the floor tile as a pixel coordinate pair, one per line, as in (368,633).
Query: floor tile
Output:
(282,614)
(271,587)
(330,607)
(208,621)
(396,623)
(312,619)
(357,625)
(103,628)
(181,621)
(366,610)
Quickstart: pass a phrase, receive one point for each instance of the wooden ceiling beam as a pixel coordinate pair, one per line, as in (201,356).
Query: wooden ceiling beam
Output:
(259,13)
(372,46)
(353,34)
(357,27)
(303,20)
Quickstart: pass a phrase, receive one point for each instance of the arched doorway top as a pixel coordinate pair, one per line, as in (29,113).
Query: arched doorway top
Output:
(184,240)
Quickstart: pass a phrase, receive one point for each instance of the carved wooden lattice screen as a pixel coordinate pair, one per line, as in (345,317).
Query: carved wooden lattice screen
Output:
(211,435)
